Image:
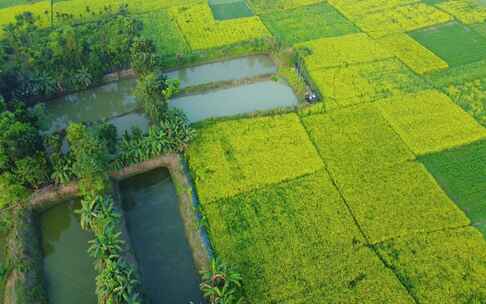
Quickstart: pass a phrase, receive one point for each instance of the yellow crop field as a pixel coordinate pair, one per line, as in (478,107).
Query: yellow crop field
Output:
(430,122)
(202,31)
(467,11)
(415,56)
(355,84)
(401,19)
(343,50)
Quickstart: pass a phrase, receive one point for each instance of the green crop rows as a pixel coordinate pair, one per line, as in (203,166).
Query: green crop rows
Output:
(461,172)
(307,23)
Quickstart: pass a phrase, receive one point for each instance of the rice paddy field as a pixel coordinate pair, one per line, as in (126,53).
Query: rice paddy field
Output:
(375,194)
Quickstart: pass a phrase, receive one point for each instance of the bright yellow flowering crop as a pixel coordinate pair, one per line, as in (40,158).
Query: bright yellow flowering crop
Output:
(202,31)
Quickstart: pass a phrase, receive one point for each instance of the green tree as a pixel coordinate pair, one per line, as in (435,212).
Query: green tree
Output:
(143,56)
(153,92)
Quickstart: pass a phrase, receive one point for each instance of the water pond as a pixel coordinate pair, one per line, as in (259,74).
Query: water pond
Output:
(68,269)
(115,101)
(229,70)
(158,238)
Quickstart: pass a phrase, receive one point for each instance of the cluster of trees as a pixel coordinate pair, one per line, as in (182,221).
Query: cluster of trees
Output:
(36,61)
(116,281)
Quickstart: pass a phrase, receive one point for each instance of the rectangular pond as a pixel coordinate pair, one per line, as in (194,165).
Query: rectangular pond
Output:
(68,269)
(229,70)
(158,239)
(248,98)
(115,101)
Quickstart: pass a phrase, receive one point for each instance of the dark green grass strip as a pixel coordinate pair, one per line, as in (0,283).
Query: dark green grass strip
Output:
(461,173)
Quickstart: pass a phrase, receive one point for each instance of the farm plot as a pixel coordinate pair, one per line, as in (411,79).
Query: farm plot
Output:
(462,174)
(342,51)
(362,83)
(229,9)
(356,140)
(453,42)
(296,242)
(467,11)
(441,267)
(430,122)
(471,96)
(458,75)
(414,55)
(202,31)
(307,23)
(265,6)
(399,201)
(84,10)
(232,157)
(355,9)
(400,19)
(163,31)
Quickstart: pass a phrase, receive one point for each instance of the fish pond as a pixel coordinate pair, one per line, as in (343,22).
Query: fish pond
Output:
(158,238)
(68,269)
(115,101)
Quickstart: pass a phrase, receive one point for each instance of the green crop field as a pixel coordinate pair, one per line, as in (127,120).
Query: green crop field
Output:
(375,193)
(307,23)
(453,42)
(461,173)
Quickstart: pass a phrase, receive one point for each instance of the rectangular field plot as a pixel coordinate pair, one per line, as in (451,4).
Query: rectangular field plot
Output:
(441,267)
(307,23)
(344,50)
(162,30)
(355,9)
(202,31)
(430,122)
(231,157)
(362,83)
(471,96)
(78,9)
(414,55)
(295,242)
(229,9)
(462,174)
(453,42)
(266,6)
(401,19)
(356,140)
(467,11)
(398,201)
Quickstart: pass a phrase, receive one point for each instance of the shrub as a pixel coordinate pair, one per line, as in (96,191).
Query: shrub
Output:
(221,285)
(430,122)
(231,157)
(172,134)
(153,92)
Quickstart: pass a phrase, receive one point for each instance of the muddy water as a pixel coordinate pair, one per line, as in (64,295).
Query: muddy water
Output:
(259,96)
(68,269)
(158,239)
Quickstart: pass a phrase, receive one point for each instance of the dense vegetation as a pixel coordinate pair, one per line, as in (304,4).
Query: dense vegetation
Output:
(372,196)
